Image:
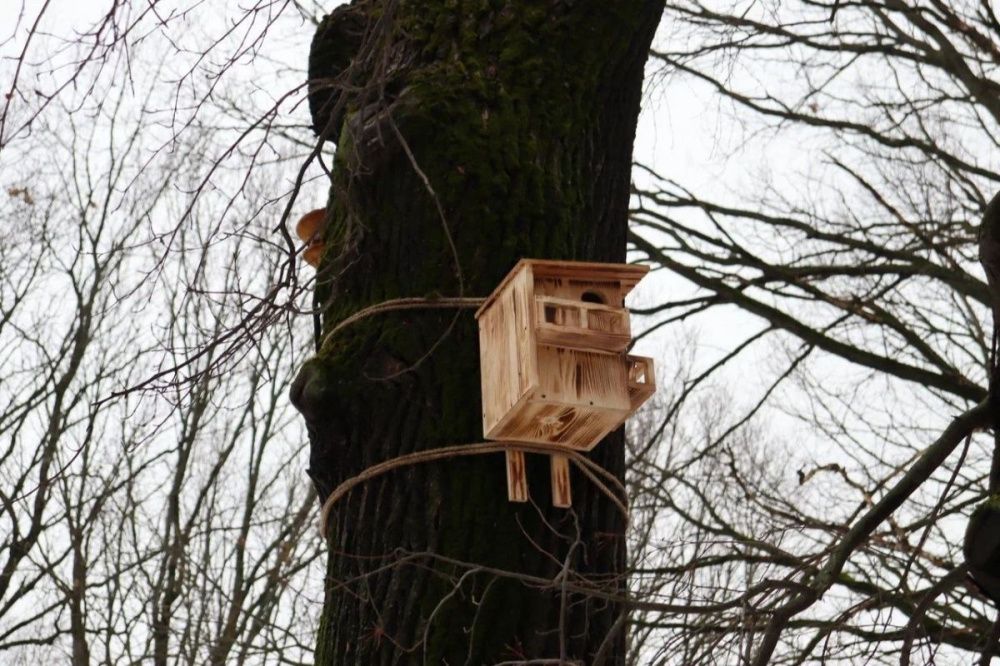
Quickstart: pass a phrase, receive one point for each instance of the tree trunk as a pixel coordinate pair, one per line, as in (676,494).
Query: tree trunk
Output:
(507,128)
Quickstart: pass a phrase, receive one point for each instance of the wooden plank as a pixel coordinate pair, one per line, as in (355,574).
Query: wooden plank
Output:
(596,316)
(497,366)
(506,351)
(627,275)
(563,322)
(521,266)
(517,479)
(523,291)
(543,423)
(561,493)
(608,294)
(582,378)
(641,380)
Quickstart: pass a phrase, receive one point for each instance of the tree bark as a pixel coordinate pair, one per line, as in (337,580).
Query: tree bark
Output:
(507,129)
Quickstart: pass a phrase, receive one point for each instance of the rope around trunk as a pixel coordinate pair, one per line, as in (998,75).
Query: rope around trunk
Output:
(412,303)
(597,474)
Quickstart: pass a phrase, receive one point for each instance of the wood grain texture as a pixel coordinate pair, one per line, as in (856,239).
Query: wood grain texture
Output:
(564,322)
(581,378)
(562,495)
(517,477)
(552,341)
(506,341)
(542,422)
(563,272)
(641,380)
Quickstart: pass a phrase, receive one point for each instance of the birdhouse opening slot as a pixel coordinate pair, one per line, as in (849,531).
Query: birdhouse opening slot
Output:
(636,372)
(610,321)
(562,315)
(565,322)
(592,297)
(641,381)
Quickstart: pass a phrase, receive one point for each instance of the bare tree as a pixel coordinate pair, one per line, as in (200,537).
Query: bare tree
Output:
(800,497)
(152,507)
(859,265)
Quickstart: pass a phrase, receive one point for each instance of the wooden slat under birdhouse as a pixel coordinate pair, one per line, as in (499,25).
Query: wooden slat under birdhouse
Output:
(517,477)
(562,496)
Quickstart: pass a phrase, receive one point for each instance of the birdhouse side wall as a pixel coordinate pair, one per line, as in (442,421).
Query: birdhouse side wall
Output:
(506,350)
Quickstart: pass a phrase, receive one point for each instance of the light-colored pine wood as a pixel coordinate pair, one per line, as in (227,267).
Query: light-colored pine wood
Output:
(553,338)
(553,365)
(563,322)
(517,478)
(561,492)
(611,294)
(589,272)
(628,275)
(506,351)
(545,423)
(581,378)
(524,330)
(641,380)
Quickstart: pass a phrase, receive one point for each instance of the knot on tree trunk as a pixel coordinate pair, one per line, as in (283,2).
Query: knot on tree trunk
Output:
(981,547)
(989,257)
(337,41)
(982,536)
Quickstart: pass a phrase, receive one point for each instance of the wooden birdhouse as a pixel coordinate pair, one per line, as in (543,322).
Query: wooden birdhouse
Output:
(552,348)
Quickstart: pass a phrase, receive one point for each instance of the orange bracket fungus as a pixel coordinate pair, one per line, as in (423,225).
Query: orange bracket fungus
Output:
(310,229)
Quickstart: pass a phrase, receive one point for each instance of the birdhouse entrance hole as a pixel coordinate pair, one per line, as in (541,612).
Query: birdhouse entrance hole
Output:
(552,338)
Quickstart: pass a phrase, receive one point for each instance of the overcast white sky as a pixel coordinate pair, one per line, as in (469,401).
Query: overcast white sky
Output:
(684,133)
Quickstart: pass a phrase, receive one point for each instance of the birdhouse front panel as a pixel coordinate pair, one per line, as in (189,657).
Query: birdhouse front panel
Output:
(552,339)
(581,378)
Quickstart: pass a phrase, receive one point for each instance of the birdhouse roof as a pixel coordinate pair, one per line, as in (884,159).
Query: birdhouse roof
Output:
(627,275)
